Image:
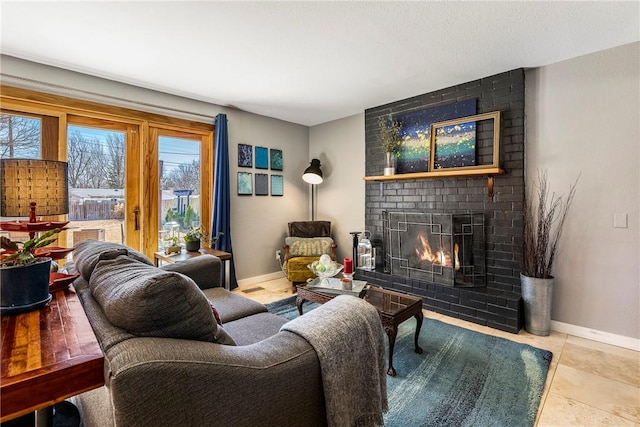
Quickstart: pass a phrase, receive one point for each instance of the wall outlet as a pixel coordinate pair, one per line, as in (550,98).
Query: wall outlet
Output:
(278,255)
(620,220)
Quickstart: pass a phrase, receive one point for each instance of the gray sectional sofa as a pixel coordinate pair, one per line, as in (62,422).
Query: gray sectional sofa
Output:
(169,363)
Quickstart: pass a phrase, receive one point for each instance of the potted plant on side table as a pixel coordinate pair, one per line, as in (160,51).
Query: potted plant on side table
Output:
(171,245)
(192,239)
(544,217)
(24,277)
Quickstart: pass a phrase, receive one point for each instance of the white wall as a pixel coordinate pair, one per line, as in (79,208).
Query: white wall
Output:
(259,223)
(339,145)
(583,117)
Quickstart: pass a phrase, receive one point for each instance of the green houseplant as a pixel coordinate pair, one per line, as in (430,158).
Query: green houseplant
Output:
(192,239)
(545,214)
(24,277)
(172,245)
(391,141)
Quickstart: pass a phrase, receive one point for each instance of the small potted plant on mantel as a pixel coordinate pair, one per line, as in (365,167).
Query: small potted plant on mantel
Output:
(544,217)
(24,277)
(390,136)
(192,239)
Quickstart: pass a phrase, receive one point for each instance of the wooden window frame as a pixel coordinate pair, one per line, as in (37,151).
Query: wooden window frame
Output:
(54,146)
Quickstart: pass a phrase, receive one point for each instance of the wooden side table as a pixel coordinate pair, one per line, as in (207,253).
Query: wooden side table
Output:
(47,355)
(184,255)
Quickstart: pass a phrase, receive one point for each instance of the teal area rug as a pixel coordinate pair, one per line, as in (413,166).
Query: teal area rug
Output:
(463,378)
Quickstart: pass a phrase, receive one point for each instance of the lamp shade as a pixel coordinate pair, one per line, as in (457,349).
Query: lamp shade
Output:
(27,181)
(313,174)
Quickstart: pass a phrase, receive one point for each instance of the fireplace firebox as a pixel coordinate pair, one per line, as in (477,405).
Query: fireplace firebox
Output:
(448,249)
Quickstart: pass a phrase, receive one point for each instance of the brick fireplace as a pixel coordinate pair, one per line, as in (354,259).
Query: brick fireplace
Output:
(496,302)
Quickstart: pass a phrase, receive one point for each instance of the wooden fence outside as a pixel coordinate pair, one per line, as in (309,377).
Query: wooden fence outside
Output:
(92,210)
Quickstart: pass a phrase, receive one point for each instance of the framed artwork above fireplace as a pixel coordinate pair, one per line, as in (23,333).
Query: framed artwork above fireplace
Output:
(466,143)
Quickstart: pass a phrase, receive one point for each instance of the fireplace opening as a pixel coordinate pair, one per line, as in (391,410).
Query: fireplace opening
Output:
(448,249)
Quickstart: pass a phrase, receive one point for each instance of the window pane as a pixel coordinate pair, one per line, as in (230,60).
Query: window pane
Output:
(96,184)
(20,136)
(179,169)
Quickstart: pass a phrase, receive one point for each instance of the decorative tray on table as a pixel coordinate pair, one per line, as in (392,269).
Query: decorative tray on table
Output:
(53,251)
(31,226)
(332,285)
(60,281)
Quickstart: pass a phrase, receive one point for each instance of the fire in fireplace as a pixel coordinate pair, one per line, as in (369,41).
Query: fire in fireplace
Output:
(448,249)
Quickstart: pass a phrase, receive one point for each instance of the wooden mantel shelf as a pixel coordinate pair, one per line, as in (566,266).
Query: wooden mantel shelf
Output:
(442,173)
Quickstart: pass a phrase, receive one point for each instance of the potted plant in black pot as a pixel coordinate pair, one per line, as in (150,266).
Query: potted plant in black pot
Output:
(544,218)
(24,277)
(192,239)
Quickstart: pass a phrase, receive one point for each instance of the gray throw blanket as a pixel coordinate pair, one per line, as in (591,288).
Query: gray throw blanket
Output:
(347,335)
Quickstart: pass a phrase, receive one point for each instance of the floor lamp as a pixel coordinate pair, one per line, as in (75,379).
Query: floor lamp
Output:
(313,176)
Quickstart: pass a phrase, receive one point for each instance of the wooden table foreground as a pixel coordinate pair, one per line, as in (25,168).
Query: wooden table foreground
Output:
(48,355)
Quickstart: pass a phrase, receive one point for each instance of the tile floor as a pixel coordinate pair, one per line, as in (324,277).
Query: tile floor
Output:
(589,383)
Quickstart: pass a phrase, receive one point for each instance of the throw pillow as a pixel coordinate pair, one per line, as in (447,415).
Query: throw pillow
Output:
(149,302)
(216,315)
(313,246)
(88,252)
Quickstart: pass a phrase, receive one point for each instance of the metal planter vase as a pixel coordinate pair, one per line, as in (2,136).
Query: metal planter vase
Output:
(390,167)
(537,296)
(26,287)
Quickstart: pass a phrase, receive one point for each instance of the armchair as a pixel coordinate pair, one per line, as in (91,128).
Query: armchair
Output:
(306,242)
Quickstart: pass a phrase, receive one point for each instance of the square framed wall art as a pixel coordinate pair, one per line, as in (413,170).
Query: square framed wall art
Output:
(262,184)
(262,158)
(245,183)
(277,185)
(245,155)
(276,159)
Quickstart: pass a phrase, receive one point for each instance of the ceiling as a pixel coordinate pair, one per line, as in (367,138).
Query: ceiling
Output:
(308,62)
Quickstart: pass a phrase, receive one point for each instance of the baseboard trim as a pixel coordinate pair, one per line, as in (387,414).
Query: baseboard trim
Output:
(595,335)
(263,278)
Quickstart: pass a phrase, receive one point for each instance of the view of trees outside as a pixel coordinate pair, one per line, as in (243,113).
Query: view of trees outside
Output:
(179,165)
(96,158)
(19,137)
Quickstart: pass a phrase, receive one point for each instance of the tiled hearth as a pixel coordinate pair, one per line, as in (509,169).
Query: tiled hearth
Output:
(498,304)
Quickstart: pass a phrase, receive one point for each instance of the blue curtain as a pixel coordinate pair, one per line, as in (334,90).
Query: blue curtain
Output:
(221,221)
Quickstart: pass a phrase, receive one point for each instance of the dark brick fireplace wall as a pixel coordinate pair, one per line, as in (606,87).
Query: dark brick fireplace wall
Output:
(499,304)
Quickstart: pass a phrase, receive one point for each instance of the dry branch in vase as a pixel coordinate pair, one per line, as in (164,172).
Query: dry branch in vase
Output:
(544,217)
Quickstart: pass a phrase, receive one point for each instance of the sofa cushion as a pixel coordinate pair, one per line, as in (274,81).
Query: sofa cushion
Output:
(312,246)
(252,329)
(149,302)
(232,306)
(310,229)
(88,252)
(298,270)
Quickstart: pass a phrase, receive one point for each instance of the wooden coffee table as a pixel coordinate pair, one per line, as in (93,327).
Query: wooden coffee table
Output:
(393,308)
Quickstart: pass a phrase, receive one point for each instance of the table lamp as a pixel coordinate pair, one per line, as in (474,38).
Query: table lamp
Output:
(29,183)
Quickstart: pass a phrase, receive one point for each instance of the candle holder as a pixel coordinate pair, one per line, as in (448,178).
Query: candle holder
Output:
(348,266)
